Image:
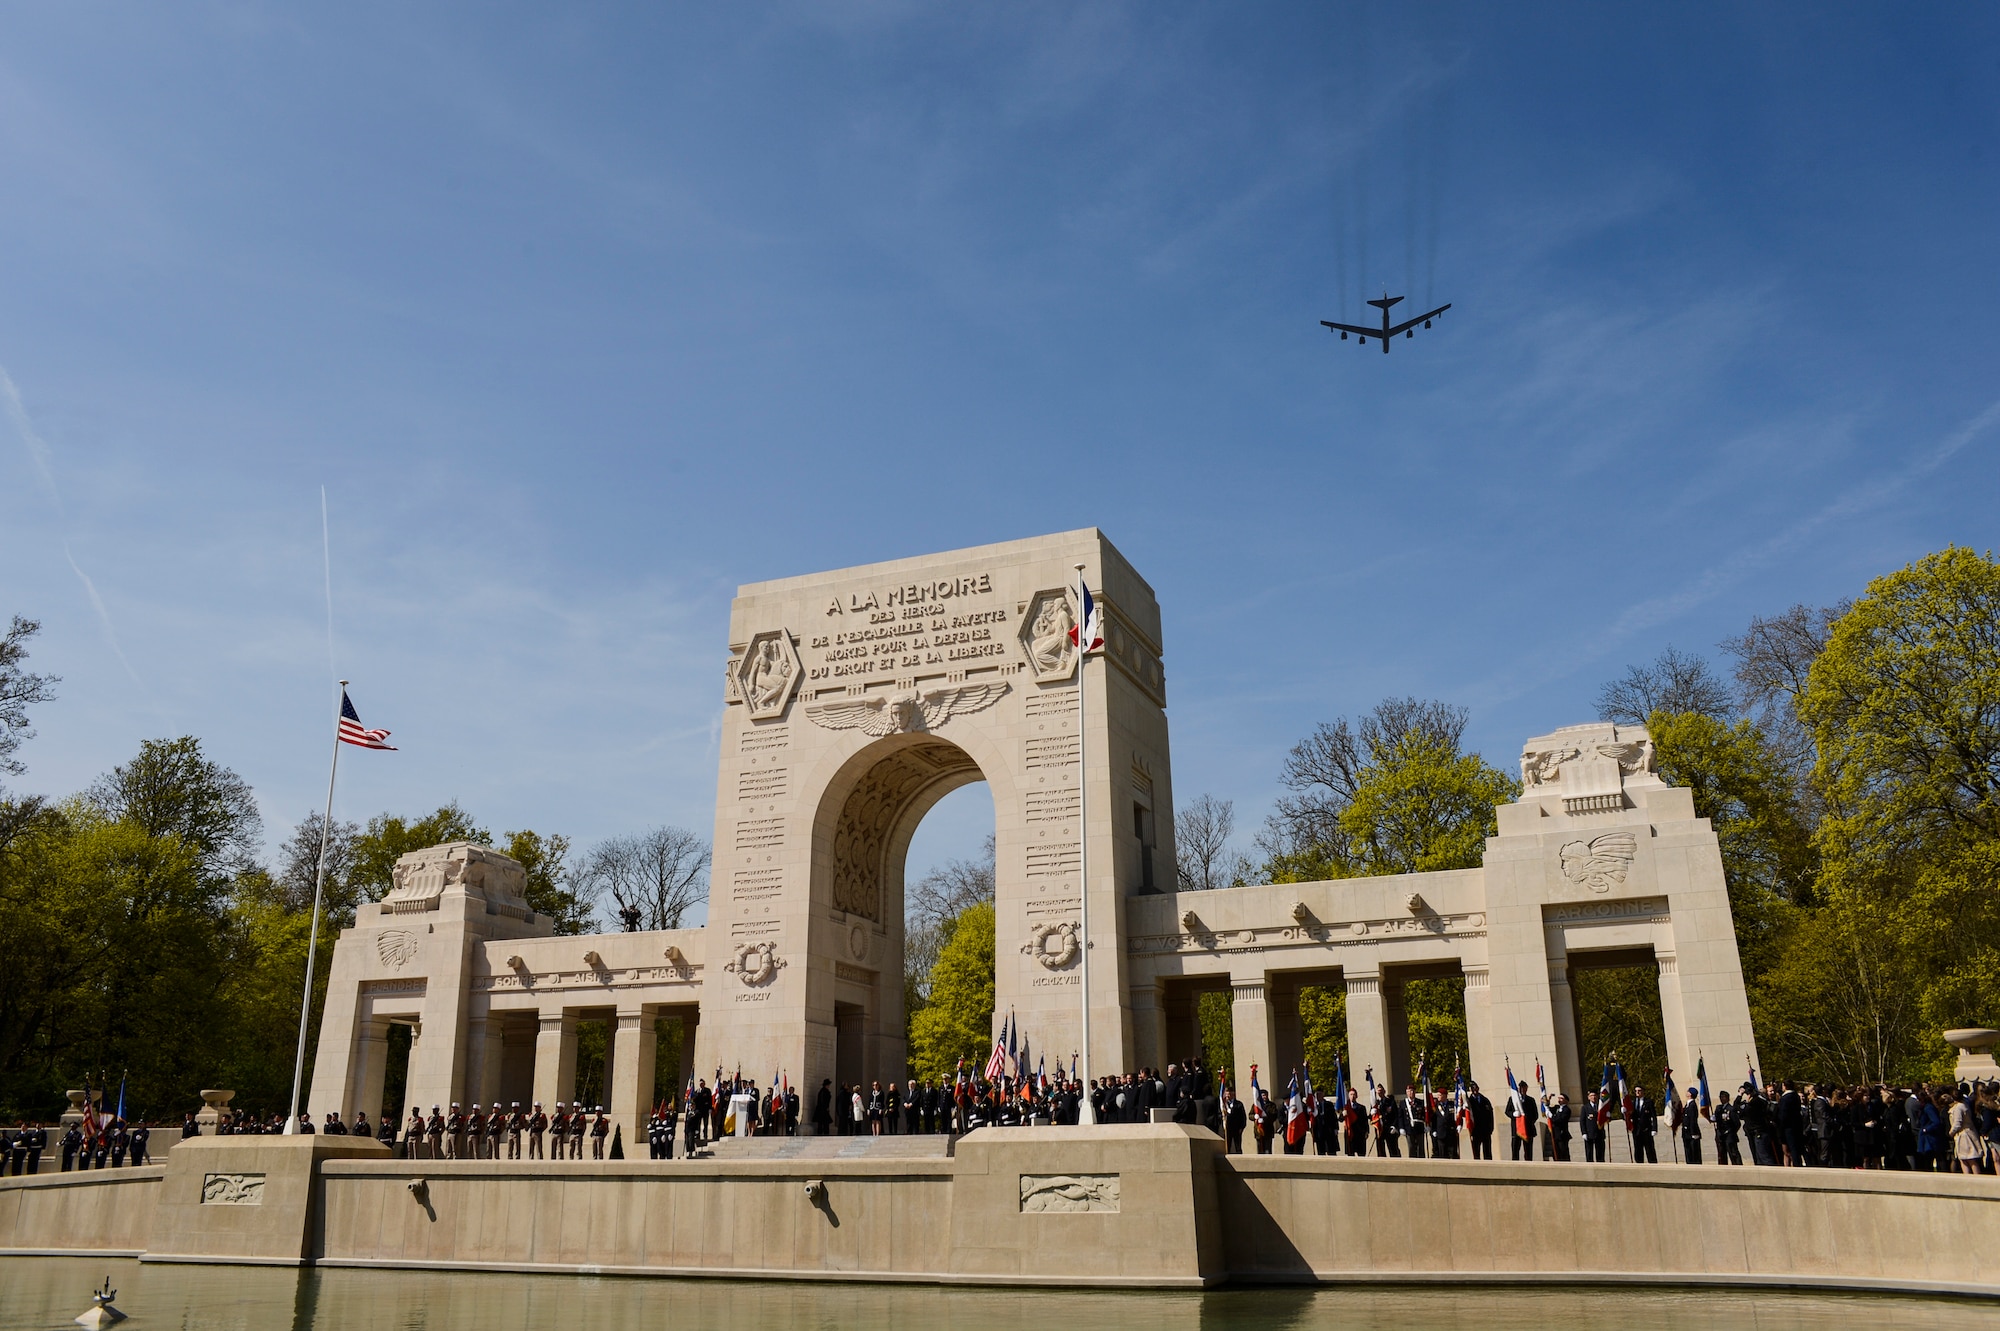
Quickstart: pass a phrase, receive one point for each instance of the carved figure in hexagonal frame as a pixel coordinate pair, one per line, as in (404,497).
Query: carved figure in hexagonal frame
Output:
(768,674)
(1045,636)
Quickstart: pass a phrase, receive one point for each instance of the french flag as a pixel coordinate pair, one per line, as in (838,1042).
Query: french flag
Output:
(1088,632)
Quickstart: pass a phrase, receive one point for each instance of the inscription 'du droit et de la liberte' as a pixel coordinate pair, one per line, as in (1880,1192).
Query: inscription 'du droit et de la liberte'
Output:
(909,627)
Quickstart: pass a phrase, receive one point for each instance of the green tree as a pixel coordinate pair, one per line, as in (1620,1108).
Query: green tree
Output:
(957,1021)
(550,886)
(19,688)
(173,789)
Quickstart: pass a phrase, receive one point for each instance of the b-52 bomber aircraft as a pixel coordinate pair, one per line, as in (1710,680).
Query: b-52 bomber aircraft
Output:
(1407,328)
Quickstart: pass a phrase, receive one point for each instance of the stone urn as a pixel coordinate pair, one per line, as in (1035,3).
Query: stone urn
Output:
(1975,1053)
(214,1104)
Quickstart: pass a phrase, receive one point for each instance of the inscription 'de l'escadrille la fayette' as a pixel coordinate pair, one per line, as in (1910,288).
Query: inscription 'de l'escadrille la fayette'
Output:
(909,627)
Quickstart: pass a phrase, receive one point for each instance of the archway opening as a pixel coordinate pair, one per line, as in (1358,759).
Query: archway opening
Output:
(1619,1024)
(948,928)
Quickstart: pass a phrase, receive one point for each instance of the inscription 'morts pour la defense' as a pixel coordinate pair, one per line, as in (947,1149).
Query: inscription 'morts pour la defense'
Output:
(852,702)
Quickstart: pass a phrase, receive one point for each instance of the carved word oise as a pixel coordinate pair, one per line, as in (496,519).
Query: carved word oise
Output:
(1069,1192)
(232,1190)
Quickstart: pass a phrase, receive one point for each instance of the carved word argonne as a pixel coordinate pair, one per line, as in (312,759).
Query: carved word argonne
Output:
(756,963)
(1053,943)
(232,1190)
(1069,1193)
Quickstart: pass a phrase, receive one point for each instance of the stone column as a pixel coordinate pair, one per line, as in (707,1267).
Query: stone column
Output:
(634,1048)
(1396,1034)
(1479,1026)
(485,1049)
(371,1064)
(555,1057)
(1367,1029)
(1250,1022)
(1149,1036)
(1568,1054)
(1673,1021)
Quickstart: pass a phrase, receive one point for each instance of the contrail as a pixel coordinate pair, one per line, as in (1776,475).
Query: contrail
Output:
(326,549)
(38,449)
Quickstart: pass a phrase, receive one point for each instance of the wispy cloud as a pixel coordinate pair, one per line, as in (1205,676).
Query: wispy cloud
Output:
(39,453)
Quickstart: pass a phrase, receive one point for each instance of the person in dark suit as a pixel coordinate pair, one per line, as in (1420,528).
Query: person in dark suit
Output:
(1644,1120)
(1413,1117)
(1792,1125)
(1728,1119)
(1354,1123)
(1559,1121)
(1233,1121)
(1591,1122)
(1691,1128)
(1479,1110)
(72,1142)
(1388,1124)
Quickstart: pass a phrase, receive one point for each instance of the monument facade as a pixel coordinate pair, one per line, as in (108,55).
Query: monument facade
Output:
(854,701)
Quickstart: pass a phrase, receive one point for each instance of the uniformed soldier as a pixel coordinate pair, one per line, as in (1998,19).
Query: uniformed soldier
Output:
(600,1133)
(1644,1121)
(538,1123)
(1413,1114)
(137,1151)
(517,1123)
(1728,1122)
(434,1130)
(1592,1124)
(454,1127)
(1691,1128)
(72,1142)
(413,1136)
(1559,1119)
(1388,1127)
(579,1123)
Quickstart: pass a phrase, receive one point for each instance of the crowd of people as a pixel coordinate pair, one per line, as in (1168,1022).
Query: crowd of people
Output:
(1928,1127)
(106,1143)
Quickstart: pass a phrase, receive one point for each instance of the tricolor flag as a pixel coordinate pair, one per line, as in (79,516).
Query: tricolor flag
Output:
(1700,1077)
(353,732)
(1088,632)
(1673,1101)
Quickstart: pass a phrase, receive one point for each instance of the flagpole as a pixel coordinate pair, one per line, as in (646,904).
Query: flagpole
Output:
(312,945)
(1088,1110)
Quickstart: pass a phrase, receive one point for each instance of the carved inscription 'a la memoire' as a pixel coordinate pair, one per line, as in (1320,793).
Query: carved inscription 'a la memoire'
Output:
(1069,1193)
(232,1190)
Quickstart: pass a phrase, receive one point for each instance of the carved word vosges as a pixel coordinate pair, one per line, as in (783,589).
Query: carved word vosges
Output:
(1069,1193)
(232,1190)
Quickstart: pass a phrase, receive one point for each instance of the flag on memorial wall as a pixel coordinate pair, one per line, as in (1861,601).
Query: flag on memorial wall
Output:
(353,732)
(1089,630)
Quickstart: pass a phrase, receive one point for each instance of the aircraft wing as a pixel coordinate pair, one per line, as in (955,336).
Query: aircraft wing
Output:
(1353,328)
(1408,324)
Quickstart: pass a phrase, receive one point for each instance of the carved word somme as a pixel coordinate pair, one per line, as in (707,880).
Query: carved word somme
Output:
(232,1190)
(1069,1193)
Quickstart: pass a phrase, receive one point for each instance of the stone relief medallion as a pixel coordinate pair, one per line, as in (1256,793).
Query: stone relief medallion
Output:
(1045,636)
(906,710)
(396,947)
(1068,1193)
(857,942)
(1359,928)
(232,1190)
(1053,943)
(1601,862)
(768,675)
(756,964)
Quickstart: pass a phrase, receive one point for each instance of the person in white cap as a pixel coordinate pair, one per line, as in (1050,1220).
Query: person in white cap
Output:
(538,1123)
(517,1123)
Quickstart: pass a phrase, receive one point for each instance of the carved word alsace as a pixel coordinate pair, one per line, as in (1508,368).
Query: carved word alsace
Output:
(232,1190)
(1069,1193)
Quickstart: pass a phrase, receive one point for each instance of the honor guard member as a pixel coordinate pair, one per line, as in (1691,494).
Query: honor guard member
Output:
(72,1142)
(475,1133)
(1559,1117)
(600,1132)
(434,1133)
(1479,1114)
(1354,1124)
(1728,1120)
(37,1146)
(1413,1117)
(454,1127)
(138,1150)
(562,1126)
(653,1135)
(333,1127)
(1691,1128)
(361,1128)
(579,1122)
(517,1123)
(538,1123)
(190,1126)
(1644,1120)
(489,1133)
(1388,1130)
(386,1133)
(413,1136)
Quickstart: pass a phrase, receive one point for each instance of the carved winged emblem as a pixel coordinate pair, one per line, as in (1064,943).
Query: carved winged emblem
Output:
(1600,863)
(396,947)
(1631,756)
(907,710)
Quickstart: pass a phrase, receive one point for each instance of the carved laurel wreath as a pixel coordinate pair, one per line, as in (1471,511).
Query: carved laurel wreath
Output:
(756,963)
(1040,936)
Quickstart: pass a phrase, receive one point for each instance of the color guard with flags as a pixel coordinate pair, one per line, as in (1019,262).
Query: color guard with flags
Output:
(997,1064)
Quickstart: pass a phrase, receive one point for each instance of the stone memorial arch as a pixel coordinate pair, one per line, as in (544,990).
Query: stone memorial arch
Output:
(852,702)
(855,701)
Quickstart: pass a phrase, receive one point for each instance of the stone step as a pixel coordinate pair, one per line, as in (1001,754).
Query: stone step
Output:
(937,1147)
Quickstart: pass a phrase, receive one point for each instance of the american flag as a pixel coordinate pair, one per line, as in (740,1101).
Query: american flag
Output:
(353,732)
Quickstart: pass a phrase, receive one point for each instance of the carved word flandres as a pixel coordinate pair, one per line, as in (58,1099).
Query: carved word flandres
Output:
(1069,1193)
(1600,863)
(232,1190)
(905,711)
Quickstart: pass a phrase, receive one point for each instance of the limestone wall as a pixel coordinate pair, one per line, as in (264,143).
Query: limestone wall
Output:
(96,1210)
(1296,1218)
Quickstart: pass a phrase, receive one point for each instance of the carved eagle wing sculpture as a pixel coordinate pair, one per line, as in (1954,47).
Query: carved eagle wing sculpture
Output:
(905,711)
(1601,862)
(940,705)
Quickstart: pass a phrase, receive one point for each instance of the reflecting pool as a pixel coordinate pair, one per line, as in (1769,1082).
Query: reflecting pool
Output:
(46,1294)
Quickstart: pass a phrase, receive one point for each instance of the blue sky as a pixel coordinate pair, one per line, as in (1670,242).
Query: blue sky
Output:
(584,315)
